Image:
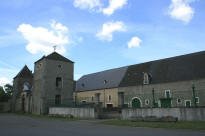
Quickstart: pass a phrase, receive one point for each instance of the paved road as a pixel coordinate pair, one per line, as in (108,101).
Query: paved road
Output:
(18,125)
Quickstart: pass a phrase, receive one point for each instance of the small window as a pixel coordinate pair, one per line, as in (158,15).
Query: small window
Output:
(105,81)
(197,99)
(59,82)
(83,85)
(179,101)
(83,101)
(59,66)
(57,99)
(109,98)
(92,98)
(147,102)
(26,86)
(167,94)
(146,79)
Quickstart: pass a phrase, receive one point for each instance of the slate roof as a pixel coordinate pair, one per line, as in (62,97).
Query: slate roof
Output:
(180,68)
(55,56)
(25,72)
(96,81)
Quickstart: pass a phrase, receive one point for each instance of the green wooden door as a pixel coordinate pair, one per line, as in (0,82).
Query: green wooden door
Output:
(136,103)
(188,104)
(165,103)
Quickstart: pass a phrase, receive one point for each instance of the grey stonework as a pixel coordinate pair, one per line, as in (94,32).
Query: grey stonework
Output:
(24,76)
(179,90)
(44,90)
(43,87)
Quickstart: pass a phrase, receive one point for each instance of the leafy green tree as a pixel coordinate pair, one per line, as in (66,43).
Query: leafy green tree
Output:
(8,89)
(3,95)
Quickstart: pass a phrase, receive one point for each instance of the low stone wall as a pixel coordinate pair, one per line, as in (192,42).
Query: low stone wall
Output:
(75,112)
(183,114)
(5,106)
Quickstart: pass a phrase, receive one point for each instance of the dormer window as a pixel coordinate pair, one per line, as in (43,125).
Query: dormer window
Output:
(146,79)
(105,81)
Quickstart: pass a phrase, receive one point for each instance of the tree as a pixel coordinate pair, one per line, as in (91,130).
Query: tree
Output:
(4,96)
(8,89)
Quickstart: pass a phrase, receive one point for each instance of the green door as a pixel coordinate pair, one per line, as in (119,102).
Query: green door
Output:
(165,103)
(188,104)
(136,103)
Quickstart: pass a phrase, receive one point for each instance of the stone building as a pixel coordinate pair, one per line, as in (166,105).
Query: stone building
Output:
(50,84)
(101,87)
(172,82)
(22,83)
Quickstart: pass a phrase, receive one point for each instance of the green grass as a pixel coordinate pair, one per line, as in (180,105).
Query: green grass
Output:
(170,125)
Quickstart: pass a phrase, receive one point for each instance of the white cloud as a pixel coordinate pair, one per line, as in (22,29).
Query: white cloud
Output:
(114,5)
(92,5)
(134,42)
(41,39)
(4,80)
(97,5)
(109,28)
(181,10)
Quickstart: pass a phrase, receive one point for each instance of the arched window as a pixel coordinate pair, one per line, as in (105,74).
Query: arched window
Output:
(146,79)
(26,86)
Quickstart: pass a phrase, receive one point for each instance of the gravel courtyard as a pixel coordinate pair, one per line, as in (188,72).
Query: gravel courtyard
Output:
(19,125)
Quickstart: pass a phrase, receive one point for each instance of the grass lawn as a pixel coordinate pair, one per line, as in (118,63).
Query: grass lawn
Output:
(171,125)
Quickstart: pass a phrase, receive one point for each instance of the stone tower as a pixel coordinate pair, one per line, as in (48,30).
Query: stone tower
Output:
(53,82)
(22,79)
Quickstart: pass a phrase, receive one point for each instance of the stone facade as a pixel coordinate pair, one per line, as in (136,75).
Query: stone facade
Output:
(24,77)
(180,92)
(107,97)
(45,89)
(50,84)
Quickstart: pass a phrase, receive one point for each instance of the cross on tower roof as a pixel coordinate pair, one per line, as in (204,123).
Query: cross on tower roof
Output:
(54,47)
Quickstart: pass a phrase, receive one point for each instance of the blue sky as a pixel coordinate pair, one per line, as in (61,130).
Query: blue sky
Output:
(97,34)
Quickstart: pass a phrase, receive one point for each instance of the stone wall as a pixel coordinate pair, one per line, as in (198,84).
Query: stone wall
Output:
(5,106)
(76,112)
(179,90)
(183,114)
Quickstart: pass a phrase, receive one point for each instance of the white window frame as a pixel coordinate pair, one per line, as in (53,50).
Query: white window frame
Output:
(198,100)
(187,101)
(145,79)
(146,100)
(179,102)
(166,93)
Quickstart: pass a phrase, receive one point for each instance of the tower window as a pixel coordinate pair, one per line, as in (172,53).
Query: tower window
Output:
(105,81)
(109,98)
(83,85)
(59,82)
(58,99)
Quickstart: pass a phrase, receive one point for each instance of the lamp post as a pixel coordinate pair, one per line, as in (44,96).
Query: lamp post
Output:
(153,99)
(194,95)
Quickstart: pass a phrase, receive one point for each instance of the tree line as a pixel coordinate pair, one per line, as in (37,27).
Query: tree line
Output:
(6,92)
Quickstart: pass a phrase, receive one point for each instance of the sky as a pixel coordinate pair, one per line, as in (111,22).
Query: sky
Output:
(97,34)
